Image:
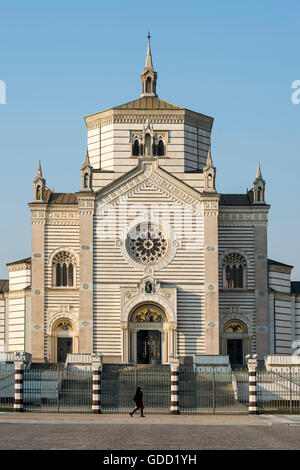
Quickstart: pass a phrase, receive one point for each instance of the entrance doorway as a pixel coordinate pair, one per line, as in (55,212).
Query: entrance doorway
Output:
(149,347)
(64,347)
(235,351)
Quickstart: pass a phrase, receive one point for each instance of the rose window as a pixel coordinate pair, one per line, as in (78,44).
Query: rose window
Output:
(147,243)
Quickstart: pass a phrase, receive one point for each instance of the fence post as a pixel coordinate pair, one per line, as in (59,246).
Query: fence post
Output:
(97,363)
(252,366)
(174,365)
(19,361)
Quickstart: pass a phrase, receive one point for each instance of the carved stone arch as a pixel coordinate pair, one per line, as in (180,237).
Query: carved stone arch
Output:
(59,316)
(236,316)
(245,268)
(143,298)
(63,248)
(53,333)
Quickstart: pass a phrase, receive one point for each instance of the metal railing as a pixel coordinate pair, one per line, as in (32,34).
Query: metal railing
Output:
(278,392)
(53,389)
(7,387)
(118,385)
(213,391)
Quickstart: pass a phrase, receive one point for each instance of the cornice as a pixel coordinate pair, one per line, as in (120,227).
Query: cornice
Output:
(152,116)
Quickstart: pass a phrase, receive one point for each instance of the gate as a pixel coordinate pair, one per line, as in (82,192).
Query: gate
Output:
(55,389)
(7,387)
(213,391)
(278,392)
(119,383)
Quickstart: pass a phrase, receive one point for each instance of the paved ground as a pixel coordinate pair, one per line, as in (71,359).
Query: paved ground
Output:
(41,431)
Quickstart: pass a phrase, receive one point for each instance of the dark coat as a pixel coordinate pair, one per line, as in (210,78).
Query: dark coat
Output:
(138,398)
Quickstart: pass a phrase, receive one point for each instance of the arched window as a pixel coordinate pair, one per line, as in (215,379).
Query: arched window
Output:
(86,180)
(136,148)
(148,85)
(160,148)
(64,270)
(234,271)
(148,144)
(38,193)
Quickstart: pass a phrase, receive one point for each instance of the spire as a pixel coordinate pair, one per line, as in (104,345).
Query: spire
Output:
(258,172)
(209,161)
(149,64)
(86,173)
(39,185)
(259,185)
(149,77)
(87,158)
(39,173)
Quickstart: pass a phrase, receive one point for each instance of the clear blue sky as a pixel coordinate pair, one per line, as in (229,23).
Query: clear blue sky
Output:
(232,60)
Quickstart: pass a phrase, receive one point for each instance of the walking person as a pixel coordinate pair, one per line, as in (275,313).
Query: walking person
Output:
(138,398)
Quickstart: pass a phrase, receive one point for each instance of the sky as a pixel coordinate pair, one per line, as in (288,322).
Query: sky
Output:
(232,60)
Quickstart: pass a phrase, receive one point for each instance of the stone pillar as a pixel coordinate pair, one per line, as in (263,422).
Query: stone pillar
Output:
(261,284)
(174,365)
(37,329)
(86,201)
(19,361)
(210,207)
(97,364)
(252,366)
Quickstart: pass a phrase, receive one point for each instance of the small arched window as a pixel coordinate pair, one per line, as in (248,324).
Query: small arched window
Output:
(148,85)
(148,144)
(160,148)
(38,193)
(234,271)
(63,269)
(135,148)
(86,180)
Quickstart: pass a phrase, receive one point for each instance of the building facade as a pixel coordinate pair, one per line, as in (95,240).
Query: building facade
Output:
(147,260)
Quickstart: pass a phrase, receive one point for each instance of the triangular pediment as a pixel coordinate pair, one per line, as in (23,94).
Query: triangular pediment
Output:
(145,176)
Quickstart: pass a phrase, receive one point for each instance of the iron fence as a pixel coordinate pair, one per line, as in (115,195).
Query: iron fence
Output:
(278,392)
(215,390)
(211,391)
(7,387)
(118,386)
(58,390)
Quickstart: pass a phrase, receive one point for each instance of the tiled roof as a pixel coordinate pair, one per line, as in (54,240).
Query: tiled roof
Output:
(272,261)
(295,287)
(235,200)
(3,285)
(60,198)
(21,261)
(148,102)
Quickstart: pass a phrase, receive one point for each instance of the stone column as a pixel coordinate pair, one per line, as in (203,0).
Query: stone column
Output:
(210,207)
(37,329)
(97,364)
(86,201)
(252,366)
(174,365)
(261,284)
(19,361)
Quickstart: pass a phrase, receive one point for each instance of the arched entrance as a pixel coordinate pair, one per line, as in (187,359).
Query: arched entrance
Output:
(149,335)
(63,340)
(236,339)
